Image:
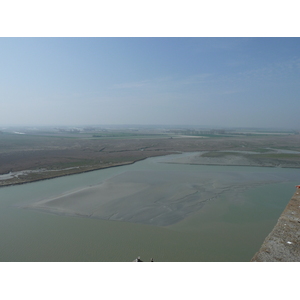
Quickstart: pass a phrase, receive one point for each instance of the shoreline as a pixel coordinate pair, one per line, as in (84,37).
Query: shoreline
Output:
(232,165)
(282,243)
(69,174)
(77,171)
(132,162)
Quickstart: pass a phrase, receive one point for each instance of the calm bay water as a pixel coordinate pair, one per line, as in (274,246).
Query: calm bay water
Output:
(229,227)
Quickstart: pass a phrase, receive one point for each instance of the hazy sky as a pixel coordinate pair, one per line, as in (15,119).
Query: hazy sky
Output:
(238,82)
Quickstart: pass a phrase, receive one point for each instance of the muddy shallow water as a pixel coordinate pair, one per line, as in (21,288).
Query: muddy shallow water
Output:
(171,212)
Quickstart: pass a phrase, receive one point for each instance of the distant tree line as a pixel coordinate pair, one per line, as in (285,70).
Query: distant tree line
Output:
(193,132)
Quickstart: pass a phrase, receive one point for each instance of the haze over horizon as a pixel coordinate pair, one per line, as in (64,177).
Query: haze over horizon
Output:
(230,82)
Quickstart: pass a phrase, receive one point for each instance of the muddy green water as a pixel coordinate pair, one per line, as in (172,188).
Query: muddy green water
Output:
(229,227)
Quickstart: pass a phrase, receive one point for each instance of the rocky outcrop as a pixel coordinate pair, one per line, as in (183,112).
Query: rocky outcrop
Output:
(283,243)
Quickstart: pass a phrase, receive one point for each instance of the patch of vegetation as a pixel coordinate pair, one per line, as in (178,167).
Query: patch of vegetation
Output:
(73,164)
(126,135)
(262,155)
(277,156)
(214,135)
(11,141)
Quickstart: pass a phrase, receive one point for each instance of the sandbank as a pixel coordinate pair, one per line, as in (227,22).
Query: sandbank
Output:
(159,198)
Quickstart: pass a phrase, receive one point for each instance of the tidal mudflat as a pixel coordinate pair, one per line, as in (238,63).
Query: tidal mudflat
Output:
(157,197)
(168,211)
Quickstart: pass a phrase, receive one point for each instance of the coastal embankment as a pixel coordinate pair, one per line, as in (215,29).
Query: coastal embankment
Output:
(283,243)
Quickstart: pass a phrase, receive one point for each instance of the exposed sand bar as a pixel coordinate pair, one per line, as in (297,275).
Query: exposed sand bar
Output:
(158,197)
(228,160)
(237,158)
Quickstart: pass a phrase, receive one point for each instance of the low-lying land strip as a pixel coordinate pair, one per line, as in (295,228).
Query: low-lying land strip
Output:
(45,156)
